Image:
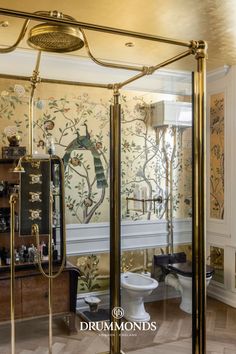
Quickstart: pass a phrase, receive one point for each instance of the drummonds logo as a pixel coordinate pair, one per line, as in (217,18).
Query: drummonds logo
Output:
(118,313)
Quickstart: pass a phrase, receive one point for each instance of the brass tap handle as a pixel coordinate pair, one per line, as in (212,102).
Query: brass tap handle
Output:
(35,229)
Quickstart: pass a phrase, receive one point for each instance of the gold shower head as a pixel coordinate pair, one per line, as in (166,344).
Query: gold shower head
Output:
(51,37)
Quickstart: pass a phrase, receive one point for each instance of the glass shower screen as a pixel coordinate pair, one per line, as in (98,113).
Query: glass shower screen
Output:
(156,259)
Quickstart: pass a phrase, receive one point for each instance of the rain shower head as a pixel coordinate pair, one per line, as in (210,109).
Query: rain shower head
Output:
(51,37)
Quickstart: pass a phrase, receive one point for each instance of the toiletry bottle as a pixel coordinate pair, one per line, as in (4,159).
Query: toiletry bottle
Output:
(8,258)
(17,257)
(21,254)
(26,255)
(45,252)
(4,255)
(42,245)
(50,146)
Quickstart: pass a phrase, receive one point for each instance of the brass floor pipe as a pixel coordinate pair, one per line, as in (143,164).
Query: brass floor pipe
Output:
(201,67)
(50,279)
(199,204)
(13,199)
(115,221)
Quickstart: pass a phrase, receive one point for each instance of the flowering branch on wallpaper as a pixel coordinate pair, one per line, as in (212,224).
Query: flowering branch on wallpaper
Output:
(9,99)
(147,155)
(217,156)
(85,161)
(88,280)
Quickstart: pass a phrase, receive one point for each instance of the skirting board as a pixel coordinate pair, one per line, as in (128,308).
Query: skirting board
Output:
(226,296)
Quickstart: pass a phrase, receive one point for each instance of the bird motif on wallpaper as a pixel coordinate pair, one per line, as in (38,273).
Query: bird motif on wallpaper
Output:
(85,142)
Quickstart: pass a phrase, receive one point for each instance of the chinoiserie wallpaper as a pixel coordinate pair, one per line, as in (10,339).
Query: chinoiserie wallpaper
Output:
(217,105)
(156,163)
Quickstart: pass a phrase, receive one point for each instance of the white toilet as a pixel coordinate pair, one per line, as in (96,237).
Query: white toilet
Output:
(182,281)
(134,288)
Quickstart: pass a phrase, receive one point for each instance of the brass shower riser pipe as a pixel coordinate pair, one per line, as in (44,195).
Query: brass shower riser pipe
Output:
(34,81)
(94,27)
(199,215)
(115,217)
(13,199)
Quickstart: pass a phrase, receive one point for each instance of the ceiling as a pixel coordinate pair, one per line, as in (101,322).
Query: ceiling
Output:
(210,20)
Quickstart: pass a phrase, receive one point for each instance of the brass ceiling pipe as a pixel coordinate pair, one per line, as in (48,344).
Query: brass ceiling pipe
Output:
(93,27)
(150,70)
(49,37)
(19,39)
(106,64)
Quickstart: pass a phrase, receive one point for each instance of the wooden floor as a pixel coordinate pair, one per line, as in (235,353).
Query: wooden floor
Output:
(173,334)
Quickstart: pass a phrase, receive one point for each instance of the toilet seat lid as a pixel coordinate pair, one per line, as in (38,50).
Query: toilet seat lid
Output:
(186,270)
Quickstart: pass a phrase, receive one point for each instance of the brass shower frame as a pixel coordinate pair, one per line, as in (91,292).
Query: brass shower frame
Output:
(199,50)
(12,202)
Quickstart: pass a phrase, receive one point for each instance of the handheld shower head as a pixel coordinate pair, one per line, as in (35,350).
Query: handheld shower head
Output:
(57,38)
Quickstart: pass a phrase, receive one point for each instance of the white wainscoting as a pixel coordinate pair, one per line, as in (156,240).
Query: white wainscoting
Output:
(94,237)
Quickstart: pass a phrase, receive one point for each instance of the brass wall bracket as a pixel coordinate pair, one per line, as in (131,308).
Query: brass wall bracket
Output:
(143,201)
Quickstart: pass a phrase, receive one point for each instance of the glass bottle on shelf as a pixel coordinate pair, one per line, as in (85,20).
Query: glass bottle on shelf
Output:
(50,146)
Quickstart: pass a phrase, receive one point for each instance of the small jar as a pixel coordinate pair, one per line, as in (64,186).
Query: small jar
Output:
(93,303)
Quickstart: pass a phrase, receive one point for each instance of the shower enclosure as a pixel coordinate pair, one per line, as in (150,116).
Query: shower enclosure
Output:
(166,141)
